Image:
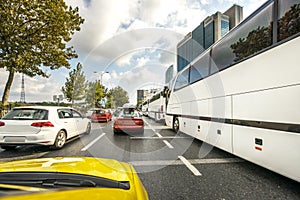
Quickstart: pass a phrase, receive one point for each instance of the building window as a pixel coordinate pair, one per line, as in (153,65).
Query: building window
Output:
(209,35)
(224,27)
(184,55)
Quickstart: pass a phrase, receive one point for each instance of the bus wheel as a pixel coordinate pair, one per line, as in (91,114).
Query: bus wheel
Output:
(176,125)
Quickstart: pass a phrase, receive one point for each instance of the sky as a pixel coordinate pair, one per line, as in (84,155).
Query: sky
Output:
(133,40)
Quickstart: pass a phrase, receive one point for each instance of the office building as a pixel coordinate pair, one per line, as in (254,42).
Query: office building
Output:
(210,30)
(235,14)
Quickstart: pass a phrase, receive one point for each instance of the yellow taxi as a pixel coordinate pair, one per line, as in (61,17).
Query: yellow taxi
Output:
(70,177)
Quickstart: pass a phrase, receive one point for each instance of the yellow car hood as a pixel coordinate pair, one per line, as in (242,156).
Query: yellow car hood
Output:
(105,168)
(78,194)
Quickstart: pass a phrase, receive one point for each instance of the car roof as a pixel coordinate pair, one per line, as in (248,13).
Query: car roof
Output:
(44,107)
(127,105)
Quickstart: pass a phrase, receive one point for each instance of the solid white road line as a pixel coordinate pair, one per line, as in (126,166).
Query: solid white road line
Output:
(154,138)
(168,144)
(190,166)
(93,142)
(192,161)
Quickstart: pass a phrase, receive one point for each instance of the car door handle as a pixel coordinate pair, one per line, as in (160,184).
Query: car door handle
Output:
(65,122)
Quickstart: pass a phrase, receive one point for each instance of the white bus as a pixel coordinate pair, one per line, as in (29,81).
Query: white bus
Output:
(157,106)
(144,108)
(242,95)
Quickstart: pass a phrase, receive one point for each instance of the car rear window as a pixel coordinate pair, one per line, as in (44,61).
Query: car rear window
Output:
(129,113)
(27,114)
(99,111)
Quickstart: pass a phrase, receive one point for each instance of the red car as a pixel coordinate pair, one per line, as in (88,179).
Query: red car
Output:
(128,121)
(101,115)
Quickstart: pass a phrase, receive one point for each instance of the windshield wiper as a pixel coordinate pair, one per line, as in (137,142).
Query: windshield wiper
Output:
(59,180)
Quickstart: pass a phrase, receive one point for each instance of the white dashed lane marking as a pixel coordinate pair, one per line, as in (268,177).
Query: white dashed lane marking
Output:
(93,142)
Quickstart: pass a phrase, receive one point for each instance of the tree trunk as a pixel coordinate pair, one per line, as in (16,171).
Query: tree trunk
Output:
(7,87)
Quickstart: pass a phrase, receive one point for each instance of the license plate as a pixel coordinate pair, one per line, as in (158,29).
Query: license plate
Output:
(14,139)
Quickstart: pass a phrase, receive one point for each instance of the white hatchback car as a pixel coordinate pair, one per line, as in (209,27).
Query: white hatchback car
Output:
(42,125)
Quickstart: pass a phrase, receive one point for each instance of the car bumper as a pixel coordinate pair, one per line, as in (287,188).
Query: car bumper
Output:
(128,128)
(41,138)
(99,119)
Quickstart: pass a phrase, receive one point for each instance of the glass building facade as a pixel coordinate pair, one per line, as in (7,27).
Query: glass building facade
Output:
(209,33)
(224,26)
(206,34)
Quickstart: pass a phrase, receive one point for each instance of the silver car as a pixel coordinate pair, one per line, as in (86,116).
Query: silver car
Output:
(42,125)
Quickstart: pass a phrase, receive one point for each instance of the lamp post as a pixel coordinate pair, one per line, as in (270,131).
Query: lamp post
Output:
(58,98)
(102,100)
(101,75)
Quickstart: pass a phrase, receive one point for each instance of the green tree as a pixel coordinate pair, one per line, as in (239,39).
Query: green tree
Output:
(75,85)
(94,93)
(119,96)
(34,36)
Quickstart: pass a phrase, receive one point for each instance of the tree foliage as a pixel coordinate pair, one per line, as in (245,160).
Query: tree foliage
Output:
(94,93)
(118,97)
(34,36)
(75,85)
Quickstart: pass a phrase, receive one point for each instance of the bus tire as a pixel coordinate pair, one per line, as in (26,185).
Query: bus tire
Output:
(176,125)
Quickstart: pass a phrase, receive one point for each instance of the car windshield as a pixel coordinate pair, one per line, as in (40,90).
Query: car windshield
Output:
(59,180)
(27,114)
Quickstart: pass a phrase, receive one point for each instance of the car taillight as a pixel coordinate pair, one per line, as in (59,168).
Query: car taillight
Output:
(42,124)
(2,124)
(139,122)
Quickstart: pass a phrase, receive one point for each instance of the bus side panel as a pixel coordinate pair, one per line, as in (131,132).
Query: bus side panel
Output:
(279,152)
(275,105)
(267,146)
(220,133)
(200,127)
(185,124)
(169,120)
(277,67)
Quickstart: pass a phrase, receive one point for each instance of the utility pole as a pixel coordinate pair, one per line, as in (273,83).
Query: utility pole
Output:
(22,97)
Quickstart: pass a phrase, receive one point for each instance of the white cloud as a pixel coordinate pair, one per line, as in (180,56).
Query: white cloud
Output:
(142,61)
(117,35)
(124,60)
(36,88)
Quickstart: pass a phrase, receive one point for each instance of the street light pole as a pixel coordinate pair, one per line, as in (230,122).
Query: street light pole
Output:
(101,75)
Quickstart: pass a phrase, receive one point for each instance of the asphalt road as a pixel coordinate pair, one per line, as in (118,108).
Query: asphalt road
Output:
(173,166)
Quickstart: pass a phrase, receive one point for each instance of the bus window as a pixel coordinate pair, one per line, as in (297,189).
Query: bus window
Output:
(249,38)
(288,18)
(200,69)
(182,80)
